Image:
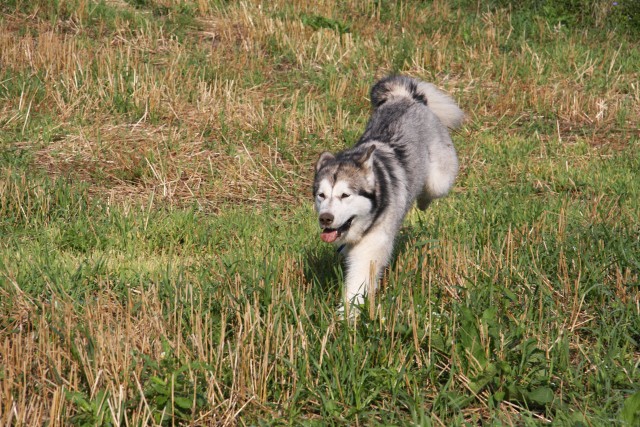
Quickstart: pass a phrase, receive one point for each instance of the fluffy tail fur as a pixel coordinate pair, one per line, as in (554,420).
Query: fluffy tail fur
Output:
(440,103)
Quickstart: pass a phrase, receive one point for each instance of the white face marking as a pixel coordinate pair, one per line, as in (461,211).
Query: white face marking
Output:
(341,201)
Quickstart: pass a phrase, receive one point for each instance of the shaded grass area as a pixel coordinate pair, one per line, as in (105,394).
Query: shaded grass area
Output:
(158,257)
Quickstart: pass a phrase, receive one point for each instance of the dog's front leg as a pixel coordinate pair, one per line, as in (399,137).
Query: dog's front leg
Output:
(365,263)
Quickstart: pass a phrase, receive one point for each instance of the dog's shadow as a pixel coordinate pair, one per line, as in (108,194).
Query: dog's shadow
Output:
(405,241)
(323,268)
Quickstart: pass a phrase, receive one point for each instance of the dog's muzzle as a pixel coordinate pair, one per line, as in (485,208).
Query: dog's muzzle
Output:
(330,235)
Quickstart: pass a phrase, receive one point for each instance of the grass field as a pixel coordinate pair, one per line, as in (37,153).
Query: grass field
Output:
(160,262)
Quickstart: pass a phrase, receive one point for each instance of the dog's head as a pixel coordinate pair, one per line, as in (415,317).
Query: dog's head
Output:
(344,192)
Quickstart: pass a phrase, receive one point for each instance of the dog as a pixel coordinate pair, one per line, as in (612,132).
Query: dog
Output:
(363,194)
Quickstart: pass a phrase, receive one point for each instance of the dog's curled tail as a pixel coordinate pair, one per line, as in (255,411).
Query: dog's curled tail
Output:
(394,87)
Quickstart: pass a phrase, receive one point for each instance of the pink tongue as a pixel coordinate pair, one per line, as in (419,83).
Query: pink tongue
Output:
(329,236)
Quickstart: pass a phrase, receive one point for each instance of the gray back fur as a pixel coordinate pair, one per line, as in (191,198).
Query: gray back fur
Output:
(413,155)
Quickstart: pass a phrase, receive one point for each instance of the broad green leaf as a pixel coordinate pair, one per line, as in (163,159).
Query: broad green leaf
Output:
(630,413)
(541,395)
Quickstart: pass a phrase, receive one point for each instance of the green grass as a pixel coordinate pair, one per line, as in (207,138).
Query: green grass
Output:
(159,263)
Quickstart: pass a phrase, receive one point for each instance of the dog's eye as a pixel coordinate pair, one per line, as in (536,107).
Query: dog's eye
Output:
(321,195)
(344,195)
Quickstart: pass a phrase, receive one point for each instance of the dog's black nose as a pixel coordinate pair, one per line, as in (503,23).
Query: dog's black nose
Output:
(326,219)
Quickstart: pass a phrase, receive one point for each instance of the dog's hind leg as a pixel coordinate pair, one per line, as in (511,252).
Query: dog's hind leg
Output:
(440,177)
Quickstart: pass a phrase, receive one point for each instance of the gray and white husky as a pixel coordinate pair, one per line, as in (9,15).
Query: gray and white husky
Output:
(362,194)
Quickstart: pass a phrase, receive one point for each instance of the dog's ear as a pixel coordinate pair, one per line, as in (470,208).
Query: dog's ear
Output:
(324,159)
(365,159)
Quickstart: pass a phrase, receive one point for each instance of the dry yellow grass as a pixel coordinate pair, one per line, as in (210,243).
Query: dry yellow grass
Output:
(178,108)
